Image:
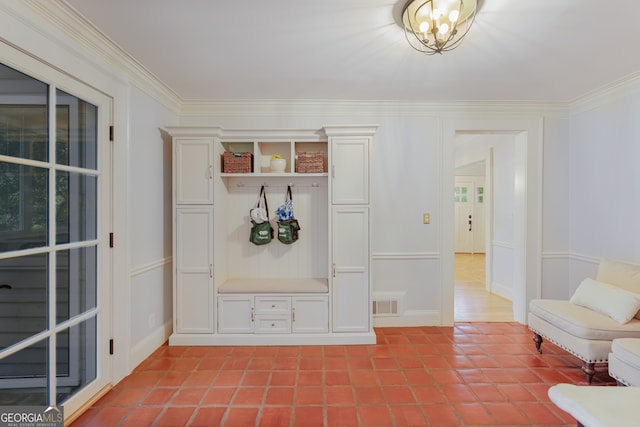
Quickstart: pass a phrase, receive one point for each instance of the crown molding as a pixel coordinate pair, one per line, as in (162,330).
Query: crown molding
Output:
(244,134)
(351,108)
(607,93)
(82,32)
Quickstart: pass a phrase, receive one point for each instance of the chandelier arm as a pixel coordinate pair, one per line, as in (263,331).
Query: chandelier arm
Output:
(420,43)
(415,33)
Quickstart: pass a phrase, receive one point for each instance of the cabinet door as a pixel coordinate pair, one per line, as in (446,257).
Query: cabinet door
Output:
(350,258)
(194,270)
(193,168)
(350,170)
(236,315)
(310,314)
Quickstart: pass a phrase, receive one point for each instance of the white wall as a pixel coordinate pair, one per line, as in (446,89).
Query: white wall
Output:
(150,226)
(604,182)
(503,207)
(555,218)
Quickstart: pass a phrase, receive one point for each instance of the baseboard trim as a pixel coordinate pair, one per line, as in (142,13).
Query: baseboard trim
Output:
(502,290)
(274,339)
(147,346)
(410,318)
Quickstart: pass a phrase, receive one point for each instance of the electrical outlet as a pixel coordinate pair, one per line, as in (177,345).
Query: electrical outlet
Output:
(426,218)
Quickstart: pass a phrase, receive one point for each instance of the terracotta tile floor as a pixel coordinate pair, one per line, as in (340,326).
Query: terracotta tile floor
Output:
(473,374)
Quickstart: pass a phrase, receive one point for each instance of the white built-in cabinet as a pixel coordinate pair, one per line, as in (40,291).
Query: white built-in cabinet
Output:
(273,314)
(193,237)
(228,291)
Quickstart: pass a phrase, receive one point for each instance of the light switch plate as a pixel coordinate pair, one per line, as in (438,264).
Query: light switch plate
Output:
(426,218)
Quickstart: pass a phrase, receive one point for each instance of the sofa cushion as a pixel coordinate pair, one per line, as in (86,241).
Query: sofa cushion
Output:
(582,322)
(623,275)
(627,350)
(617,303)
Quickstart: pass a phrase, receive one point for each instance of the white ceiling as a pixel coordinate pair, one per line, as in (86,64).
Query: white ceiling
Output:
(542,50)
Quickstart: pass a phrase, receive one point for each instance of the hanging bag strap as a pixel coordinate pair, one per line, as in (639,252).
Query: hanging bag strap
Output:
(288,196)
(263,198)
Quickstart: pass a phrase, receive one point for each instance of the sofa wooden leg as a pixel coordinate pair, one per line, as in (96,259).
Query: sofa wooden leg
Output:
(589,369)
(538,340)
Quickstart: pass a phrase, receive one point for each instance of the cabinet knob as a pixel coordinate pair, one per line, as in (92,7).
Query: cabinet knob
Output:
(273,306)
(273,325)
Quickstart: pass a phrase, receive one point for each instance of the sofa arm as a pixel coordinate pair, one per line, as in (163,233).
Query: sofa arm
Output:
(594,406)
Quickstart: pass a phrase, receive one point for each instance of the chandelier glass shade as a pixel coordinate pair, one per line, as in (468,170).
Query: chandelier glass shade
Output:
(436,26)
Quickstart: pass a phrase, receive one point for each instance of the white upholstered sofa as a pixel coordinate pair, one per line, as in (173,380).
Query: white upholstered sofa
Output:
(624,361)
(606,406)
(600,311)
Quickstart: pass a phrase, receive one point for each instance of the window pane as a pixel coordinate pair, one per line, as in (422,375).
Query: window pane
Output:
(76,204)
(77,131)
(76,358)
(23,298)
(30,365)
(23,115)
(24,204)
(76,282)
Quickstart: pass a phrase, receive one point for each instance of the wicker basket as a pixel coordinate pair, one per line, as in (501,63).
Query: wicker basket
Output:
(310,162)
(237,162)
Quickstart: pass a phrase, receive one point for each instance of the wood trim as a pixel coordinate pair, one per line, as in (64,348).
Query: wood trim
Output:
(88,404)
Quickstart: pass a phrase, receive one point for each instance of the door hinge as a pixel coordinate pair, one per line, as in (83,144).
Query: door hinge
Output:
(111,133)
(111,346)
(110,240)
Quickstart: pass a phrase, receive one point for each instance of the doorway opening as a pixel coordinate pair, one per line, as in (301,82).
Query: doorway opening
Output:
(474,301)
(512,255)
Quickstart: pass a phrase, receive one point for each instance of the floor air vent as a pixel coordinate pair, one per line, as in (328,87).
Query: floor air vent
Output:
(384,305)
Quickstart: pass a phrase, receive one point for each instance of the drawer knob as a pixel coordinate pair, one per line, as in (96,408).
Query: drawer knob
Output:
(273,325)
(273,306)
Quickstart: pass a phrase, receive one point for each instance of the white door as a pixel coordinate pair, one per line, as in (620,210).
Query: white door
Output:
(55,260)
(194,170)
(194,270)
(469,198)
(310,314)
(350,281)
(236,314)
(350,170)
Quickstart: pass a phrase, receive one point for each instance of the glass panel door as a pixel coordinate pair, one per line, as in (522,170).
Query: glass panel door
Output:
(52,309)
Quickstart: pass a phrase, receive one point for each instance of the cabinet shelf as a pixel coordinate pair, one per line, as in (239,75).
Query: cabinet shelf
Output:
(272,174)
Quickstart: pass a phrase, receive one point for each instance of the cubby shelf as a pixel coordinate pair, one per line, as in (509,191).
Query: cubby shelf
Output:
(288,150)
(271,175)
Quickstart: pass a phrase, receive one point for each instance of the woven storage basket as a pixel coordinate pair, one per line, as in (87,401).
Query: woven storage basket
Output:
(310,162)
(237,162)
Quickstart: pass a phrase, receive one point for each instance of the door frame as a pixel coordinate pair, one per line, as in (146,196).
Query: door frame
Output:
(49,74)
(527,210)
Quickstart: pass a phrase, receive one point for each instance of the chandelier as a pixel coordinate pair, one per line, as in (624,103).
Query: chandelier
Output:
(436,26)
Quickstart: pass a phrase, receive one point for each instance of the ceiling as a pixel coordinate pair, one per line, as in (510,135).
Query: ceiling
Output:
(541,51)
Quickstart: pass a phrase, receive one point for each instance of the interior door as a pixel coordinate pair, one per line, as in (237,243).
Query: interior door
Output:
(469,198)
(54,255)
